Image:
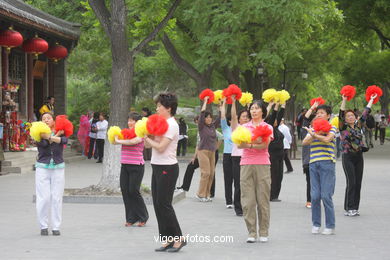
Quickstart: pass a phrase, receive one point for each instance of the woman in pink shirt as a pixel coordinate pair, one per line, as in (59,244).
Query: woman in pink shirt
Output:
(255,179)
(132,172)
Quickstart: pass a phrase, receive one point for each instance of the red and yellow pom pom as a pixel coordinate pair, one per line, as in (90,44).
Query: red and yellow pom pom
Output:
(207,93)
(128,133)
(112,132)
(348,91)
(241,135)
(38,128)
(321,125)
(217,96)
(62,123)
(283,96)
(140,127)
(269,95)
(373,90)
(231,90)
(246,98)
(157,125)
(319,100)
(263,131)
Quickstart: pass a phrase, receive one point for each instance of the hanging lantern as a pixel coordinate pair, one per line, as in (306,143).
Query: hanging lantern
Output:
(35,46)
(57,52)
(10,39)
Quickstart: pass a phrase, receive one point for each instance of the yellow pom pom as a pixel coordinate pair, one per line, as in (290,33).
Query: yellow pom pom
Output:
(241,135)
(38,128)
(335,121)
(246,98)
(283,96)
(217,96)
(269,94)
(112,132)
(140,127)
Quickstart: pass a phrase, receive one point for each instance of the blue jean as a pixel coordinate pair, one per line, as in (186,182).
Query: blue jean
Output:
(322,181)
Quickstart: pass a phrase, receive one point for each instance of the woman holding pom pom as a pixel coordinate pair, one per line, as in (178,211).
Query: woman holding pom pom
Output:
(50,177)
(165,173)
(132,172)
(352,154)
(322,169)
(255,177)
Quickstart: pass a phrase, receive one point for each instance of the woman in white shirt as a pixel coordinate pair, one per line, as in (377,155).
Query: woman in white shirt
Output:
(101,127)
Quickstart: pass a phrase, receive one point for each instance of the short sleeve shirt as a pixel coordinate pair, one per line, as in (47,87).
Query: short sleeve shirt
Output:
(168,156)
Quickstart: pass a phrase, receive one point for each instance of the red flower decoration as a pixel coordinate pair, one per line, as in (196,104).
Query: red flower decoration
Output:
(263,131)
(128,133)
(207,93)
(156,125)
(62,123)
(320,101)
(321,125)
(373,90)
(348,91)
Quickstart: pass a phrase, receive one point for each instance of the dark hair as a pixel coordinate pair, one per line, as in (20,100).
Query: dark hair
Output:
(147,111)
(49,98)
(242,111)
(96,116)
(49,113)
(350,111)
(207,113)
(327,109)
(260,104)
(228,118)
(168,100)
(135,116)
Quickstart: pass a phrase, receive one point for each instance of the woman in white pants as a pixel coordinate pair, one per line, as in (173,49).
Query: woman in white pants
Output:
(50,177)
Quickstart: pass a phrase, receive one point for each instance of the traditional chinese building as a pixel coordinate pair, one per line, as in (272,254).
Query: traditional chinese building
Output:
(33,62)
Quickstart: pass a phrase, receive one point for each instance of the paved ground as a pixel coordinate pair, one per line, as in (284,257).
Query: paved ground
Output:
(91,231)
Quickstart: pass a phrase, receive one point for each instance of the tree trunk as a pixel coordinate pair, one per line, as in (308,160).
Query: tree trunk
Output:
(385,99)
(253,84)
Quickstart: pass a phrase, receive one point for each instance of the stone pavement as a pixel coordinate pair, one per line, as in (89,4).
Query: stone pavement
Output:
(93,231)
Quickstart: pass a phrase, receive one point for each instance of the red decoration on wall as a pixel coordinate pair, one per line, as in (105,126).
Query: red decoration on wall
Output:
(10,38)
(35,46)
(57,52)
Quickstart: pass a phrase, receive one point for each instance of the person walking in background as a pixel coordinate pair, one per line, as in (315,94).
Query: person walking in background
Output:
(132,173)
(377,118)
(101,127)
(352,160)
(217,146)
(183,137)
(165,173)
(299,122)
(82,134)
(50,177)
(285,130)
(48,107)
(92,136)
(145,112)
(382,129)
(368,129)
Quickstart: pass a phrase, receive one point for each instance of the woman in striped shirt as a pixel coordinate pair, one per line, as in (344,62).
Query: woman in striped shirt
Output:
(132,172)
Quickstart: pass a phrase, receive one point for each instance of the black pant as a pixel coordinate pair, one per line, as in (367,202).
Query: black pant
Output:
(306,170)
(382,134)
(287,160)
(376,130)
(130,183)
(92,148)
(276,173)
(100,148)
(164,179)
(191,167)
(236,177)
(353,165)
(182,146)
(228,177)
(212,189)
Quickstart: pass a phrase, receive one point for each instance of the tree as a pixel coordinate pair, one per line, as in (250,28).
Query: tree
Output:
(115,25)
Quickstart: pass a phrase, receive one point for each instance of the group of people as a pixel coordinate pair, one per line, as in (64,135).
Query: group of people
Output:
(254,169)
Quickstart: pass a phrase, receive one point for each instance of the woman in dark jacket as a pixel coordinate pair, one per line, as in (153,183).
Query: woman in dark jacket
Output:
(50,177)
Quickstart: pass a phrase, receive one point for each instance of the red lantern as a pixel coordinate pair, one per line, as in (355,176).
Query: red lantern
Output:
(10,39)
(35,46)
(57,52)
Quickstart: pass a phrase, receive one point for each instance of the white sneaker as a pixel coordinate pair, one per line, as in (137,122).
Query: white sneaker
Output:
(208,199)
(251,240)
(315,230)
(263,239)
(328,231)
(200,198)
(230,206)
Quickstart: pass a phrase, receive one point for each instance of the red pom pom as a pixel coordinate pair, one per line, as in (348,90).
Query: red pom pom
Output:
(263,131)
(321,125)
(320,101)
(62,123)
(207,93)
(156,125)
(373,90)
(348,91)
(128,133)
(232,89)
(226,94)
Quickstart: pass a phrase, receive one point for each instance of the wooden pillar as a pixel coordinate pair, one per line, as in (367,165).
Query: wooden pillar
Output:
(4,66)
(30,87)
(51,78)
